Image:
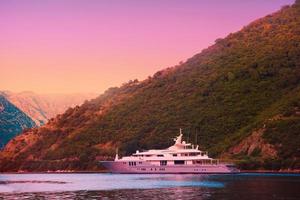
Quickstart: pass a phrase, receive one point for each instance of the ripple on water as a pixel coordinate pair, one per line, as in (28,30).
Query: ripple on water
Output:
(114,186)
(165,193)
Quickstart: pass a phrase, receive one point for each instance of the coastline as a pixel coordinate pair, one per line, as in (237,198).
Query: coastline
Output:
(105,171)
(297,171)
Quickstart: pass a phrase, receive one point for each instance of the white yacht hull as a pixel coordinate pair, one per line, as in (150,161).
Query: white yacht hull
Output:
(122,167)
(180,158)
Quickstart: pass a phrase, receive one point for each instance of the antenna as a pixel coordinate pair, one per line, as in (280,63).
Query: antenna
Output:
(198,130)
(196,136)
(117,154)
(188,137)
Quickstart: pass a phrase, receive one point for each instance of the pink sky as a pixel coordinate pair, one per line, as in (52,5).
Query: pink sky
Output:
(66,46)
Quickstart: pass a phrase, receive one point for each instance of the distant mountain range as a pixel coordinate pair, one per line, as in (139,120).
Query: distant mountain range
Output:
(28,109)
(241,96)
(12,121)
(42,107)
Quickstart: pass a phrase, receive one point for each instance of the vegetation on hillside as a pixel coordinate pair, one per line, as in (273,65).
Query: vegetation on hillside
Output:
(222,94)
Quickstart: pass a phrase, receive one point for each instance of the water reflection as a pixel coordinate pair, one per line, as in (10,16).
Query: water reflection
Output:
(170,193)
(75,182)
(108,186)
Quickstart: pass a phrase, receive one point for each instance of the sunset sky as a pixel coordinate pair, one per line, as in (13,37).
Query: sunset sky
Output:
(67,46)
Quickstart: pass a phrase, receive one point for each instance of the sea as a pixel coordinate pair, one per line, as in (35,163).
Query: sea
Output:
(254,186)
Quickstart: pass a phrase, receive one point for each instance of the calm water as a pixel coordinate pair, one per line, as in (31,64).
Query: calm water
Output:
(113,186)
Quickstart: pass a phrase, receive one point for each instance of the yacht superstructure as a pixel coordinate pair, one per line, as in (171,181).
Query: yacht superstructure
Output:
(182,157)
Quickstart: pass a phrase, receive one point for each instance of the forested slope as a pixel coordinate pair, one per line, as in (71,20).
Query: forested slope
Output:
(241,91)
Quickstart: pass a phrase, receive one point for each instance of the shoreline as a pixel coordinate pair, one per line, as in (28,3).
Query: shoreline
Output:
(107,172)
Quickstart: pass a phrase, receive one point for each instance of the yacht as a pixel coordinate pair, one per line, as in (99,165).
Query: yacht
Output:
(182,157)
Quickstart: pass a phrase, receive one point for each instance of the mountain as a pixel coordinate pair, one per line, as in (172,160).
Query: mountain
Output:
(12,121)
(42,107)
(241,96)
(38,107)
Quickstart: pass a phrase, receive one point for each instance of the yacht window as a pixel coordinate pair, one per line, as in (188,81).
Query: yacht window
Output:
(160,155)
(206,161)
(163,162)
(175,155)
(197,162)
(178,162)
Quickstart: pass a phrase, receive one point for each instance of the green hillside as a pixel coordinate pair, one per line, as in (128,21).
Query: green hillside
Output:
(248,81)
(12,121)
